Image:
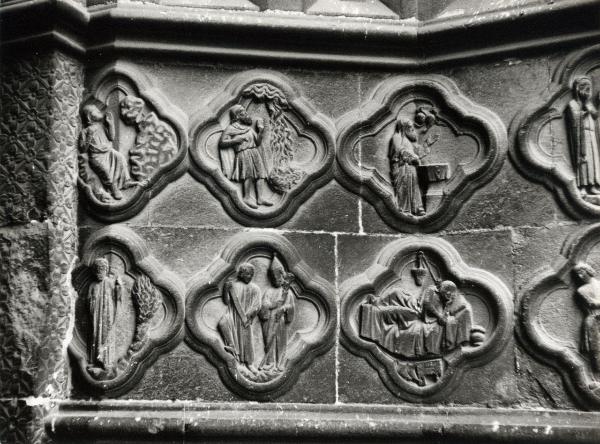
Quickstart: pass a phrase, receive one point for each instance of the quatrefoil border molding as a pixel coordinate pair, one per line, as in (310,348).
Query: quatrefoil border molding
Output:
(526,126)
(200,338)
(206,120)
(98,244)
(373,115)
(101,85)
(381,273)
(573,368)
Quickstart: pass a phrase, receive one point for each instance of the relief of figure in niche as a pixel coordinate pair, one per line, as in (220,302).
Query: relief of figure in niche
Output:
(588,295)
(420,328)
(273,307)
(584,136)
(114,163)
(406,154)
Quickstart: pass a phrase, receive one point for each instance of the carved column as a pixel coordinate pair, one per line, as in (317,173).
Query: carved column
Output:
(40,96)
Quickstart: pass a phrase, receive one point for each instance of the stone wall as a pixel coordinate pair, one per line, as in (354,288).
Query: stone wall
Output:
(414,228)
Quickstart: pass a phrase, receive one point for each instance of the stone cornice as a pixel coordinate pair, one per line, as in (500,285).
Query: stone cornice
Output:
(142,28)
(83,421)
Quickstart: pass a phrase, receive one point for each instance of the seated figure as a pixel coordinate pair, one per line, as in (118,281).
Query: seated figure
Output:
(403,325)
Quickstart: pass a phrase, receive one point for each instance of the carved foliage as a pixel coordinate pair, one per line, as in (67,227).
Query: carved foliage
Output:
(558,136)
(132,142)
(559,316)
(418,181)
(421,316)
(263,163)
(262,332)
(129,311)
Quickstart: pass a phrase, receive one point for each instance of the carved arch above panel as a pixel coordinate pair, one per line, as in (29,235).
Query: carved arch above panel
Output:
(260,314)
(129,311)
(133,142)
(418,149)
(261,148)
(560,315)
(558,136)
(421,316)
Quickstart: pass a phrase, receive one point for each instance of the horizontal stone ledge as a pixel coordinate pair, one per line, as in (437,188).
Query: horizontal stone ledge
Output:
(125,28)
(83,421)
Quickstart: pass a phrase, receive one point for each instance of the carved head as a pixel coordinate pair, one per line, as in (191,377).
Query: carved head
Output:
(448,291)
(131,109)
(582,88)
(407,128)
(246,272)
(277,272)
(100,268)
(238,113)
(92,113)
(584,272)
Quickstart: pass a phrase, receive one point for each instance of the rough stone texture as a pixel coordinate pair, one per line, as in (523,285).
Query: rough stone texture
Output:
(40,98)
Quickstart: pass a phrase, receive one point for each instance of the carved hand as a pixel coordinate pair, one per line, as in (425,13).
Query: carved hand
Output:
(260,124)
(109,118)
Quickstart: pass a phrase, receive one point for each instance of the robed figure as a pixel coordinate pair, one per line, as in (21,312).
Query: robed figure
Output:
(589,295)
(582,121)
(242,298)
(401,323)
(104,294)
(276,314)
(241,156)
(96,140)
(404,159)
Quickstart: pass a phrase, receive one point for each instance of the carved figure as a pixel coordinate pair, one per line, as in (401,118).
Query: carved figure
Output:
(276,314)
(242,298)
(155,142)
(104,295)
(108,164)
(404,157)
(589,295)
(582,118)
(246,164)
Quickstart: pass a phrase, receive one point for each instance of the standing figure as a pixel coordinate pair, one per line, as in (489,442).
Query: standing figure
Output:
(242,298)
(404,158)
(276,314)
(96,140)
(104,295)
(589,294)
(583,132)
(247,166)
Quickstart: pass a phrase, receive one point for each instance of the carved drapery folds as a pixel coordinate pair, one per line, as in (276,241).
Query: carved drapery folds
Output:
(560,315)
(418,149)
(421,316)
(261,148)
(558,136)
(260,314)
(132,143)
(129,311)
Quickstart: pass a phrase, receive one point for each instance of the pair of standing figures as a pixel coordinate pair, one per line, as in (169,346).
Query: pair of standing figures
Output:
(275,308)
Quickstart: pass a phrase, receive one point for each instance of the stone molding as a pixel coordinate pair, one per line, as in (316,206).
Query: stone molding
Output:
(98,32)
(379,114)
(131,249)
(304,344)
(389,269)
(75,422)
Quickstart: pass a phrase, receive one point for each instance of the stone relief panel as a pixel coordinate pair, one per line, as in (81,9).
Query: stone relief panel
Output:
(560,315)
(260,314)
(421,317)
(261,148)
(558,137)
(417,149)
(129,310)
(132,143)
